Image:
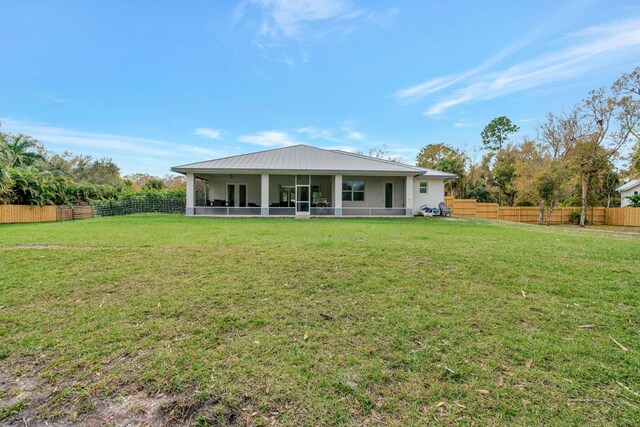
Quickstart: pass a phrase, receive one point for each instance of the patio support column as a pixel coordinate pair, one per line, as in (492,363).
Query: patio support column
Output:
(337,195)
(191,194)
(408,196)
(264,195)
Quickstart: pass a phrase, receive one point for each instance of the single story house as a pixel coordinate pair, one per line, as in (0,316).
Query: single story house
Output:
(629,189)
(307,181)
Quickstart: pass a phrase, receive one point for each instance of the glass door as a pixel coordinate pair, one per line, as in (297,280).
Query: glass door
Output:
(242,195)
(303,195)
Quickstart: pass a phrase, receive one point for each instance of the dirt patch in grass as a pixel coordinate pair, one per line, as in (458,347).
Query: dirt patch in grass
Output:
(26,398)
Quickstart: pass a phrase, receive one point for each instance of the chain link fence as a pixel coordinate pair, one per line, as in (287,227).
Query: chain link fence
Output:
(131,206)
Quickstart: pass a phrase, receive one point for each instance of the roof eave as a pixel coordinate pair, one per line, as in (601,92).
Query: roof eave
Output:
(294,171)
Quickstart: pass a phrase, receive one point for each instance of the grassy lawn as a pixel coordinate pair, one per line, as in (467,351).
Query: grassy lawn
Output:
(165,319)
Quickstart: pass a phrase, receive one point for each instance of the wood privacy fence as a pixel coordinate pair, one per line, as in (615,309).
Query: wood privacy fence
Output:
(27,213)
(529,214)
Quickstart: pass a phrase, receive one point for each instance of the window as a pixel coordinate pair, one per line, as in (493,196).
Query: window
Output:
(353,191)
(424,187)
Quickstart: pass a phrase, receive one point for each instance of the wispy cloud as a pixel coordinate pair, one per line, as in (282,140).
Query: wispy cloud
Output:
(288,17)
(269,139)
(582,52)
(104,143)
(208,133)
(53,98)
(296,23)
(313,132)
(350,133)
(464,124)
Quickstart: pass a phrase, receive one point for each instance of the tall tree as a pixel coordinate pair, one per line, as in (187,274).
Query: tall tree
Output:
(497,132)
(21,150)
(609,120)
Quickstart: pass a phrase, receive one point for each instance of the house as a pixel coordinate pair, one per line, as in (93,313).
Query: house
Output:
(629,189)
(307,181)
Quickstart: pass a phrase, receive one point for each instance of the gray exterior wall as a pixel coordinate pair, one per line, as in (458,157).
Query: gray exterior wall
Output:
(374,191)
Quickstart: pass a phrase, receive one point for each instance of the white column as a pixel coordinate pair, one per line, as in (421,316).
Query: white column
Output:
(191,193)
(337,195)
(408,196)
(210,188)
(264,195)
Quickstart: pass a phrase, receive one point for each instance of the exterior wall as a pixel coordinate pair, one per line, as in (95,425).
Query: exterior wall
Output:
(374,191)
(624,194)
(435,193)
(218,186)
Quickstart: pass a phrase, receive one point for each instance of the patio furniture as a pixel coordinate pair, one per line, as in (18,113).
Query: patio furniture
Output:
(444,210)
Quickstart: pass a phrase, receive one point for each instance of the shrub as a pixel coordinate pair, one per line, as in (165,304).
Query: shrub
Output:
(574,217)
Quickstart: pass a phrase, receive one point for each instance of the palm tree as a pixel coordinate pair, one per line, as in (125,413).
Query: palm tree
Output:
(19,150)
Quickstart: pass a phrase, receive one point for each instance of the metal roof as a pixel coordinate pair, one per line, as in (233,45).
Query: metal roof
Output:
(629,185)
(303,158)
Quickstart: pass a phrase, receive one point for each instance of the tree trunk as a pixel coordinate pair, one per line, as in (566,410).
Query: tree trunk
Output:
(551,206)
(585,197)
(541,213)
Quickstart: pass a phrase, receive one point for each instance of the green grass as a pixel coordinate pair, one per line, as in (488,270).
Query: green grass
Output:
(325,322)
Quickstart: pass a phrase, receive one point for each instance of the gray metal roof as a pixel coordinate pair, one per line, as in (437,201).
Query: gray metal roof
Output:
(629,185)
(303,158)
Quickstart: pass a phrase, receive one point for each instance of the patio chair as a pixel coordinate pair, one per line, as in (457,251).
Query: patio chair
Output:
(444,210)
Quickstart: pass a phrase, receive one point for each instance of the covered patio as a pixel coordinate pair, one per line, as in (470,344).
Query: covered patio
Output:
(300,194)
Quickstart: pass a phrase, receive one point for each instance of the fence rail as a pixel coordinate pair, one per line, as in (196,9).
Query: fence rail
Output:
(529,214)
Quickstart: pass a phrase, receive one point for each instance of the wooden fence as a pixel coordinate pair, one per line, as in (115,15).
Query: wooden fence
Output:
(26,213)
(529,214)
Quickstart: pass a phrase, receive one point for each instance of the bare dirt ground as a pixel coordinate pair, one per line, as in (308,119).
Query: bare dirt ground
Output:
(25,398)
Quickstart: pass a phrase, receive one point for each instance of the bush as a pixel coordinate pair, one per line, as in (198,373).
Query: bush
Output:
(635,201)
(574,217)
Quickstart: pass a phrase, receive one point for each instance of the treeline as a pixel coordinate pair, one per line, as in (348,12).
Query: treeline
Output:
(31,175)
(575,158)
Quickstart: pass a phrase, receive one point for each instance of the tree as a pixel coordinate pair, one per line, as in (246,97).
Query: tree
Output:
(609,181)
(550,186)
(379,151)
(154,184)
(445,158)
(503,174)
(609,120)
(431,154)
(634,166)
(81,168)
(497,132)
(20,150)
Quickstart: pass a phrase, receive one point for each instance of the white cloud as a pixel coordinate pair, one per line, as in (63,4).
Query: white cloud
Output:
(269,139)
(584,52)
(279,23)
(589,50)
(107,144)
(315,133)
(354,135)
(464,124)
(208,133)
(287,17)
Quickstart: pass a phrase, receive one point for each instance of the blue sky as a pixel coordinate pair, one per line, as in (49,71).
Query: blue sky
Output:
(155,84)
